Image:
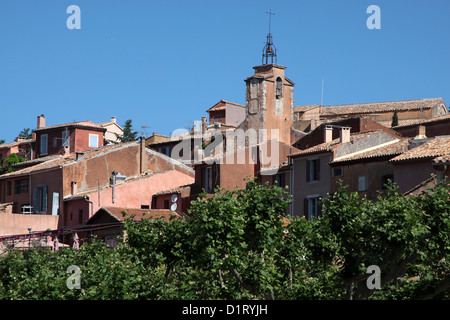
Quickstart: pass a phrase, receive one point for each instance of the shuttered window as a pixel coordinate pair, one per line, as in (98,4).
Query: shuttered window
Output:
(40,199)
(312,170)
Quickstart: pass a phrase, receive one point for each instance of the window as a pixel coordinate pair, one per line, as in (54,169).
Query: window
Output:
(387,181)
(145,206)
(279,88)
(337,172)
(44,144)
(65,138)
(207,179)
(362,183)
(166,204)
(164,150)
(80,216)
(8,188)
(312,206)
(21,186)
(312,170)
(93,141)
(40,199)
(280,180)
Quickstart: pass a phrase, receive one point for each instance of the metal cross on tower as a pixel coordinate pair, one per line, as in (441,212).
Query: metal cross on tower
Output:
(269,50)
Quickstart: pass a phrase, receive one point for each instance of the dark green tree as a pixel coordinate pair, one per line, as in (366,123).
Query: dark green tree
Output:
(25,133)
(394,122)
(7,163)
(128,133)
(2,141)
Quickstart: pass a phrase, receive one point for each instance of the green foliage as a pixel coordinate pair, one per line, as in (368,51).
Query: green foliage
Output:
(394,122)
(25,133)
(7,163)
(128,133)
(239,245)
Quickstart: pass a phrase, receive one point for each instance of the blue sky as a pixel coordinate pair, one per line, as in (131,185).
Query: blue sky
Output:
(163,63)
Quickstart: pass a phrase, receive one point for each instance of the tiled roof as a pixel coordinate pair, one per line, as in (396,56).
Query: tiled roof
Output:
(175,190)
(360,108)
(442,159)
(139,214)
(306,108)
(15,143)
(407,123)
(53,162)
(384,150)
(218,105)
(80,124)
(439,146)
(330,146)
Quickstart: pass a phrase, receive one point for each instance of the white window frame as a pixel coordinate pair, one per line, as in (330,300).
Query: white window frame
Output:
(96,138)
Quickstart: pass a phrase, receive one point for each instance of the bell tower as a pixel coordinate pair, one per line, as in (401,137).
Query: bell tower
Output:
(270,96)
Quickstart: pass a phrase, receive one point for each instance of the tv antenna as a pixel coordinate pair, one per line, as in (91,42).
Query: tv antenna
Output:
(143,128)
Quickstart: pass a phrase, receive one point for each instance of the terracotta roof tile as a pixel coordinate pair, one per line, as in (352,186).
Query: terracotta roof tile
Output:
(139,214)
(360,108)
(15,143)
(306,108)
(221,105)
(391,149)
(84,124)
(330,146)
(439,146)
(53,162)
(407,123)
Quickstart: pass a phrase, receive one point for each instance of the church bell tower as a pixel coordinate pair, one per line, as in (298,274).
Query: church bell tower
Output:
(269,96)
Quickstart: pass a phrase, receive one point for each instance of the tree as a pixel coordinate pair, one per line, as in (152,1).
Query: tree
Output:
(25,133)
(240,245)
(406,237)
(230,247)
(2,141)
(394,122)
(7,163)
(128,133)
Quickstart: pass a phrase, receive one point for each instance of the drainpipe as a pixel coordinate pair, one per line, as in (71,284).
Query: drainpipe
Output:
(92,205)
(291,185)
(114,186)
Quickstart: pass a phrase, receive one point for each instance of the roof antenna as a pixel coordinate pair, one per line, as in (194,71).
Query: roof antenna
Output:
(321,99)
(269,50)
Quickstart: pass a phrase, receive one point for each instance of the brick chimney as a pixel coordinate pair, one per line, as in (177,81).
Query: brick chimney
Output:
(74,188)
(421,133)
(41,121)
(345,135)
(328,134)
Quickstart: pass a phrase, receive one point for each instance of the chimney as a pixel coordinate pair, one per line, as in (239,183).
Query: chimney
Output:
(74,188)
(345,135)
(41,121)
(421,133)
(204,124)
(328,134)
(113,119)
(142,154)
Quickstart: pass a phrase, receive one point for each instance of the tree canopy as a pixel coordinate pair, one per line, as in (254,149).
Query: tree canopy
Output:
(128,133)
(239,244)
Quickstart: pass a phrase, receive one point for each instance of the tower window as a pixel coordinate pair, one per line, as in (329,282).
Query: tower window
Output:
(279,88)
